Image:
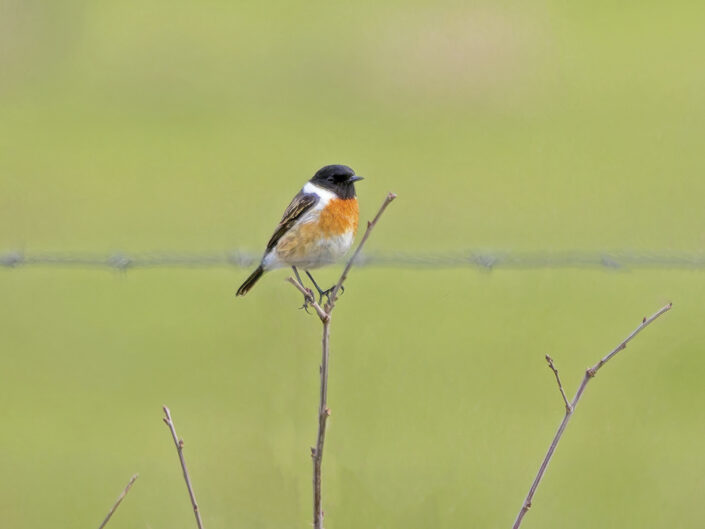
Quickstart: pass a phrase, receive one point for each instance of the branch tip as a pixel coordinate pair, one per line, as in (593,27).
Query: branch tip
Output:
(119,500)
(568,405)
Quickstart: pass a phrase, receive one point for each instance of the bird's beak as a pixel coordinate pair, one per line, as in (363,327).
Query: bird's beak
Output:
(355,178)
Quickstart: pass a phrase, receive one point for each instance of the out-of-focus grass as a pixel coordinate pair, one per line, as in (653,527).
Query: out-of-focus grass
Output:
(135,126)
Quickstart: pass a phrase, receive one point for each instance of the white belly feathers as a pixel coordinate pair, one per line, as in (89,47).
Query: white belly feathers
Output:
(323,252)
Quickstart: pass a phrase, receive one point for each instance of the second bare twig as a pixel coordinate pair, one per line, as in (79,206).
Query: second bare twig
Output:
(570,407)
(179,444)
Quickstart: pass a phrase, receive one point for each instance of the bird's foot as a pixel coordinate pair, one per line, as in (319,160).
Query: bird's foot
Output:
(327,293)
(308,300)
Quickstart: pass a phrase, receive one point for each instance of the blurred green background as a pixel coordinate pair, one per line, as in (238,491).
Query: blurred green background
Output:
(188,126)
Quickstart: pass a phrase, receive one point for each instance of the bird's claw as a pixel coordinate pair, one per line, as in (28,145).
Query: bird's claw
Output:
(327,293)
(308,300)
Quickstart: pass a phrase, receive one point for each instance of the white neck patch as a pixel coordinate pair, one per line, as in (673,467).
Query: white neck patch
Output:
(324,195)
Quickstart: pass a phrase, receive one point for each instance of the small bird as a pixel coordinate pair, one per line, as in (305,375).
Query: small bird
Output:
(317,228)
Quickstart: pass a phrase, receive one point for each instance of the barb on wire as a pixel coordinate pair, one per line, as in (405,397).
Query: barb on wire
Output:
(478,259)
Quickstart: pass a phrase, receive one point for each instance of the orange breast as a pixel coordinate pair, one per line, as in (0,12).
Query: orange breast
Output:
(301,246)
(339,216)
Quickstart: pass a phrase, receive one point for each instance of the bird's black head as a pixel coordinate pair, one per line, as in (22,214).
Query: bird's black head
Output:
(337,178)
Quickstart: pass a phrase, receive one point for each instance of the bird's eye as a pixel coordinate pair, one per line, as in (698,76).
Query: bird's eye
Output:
(331,179)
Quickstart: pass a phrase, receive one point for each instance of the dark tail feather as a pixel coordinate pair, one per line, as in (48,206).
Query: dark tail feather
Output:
(250,281)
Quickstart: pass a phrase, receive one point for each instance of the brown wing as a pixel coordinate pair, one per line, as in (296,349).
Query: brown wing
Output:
(301,203)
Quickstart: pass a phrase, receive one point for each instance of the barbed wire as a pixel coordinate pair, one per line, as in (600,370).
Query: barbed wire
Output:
(480,259)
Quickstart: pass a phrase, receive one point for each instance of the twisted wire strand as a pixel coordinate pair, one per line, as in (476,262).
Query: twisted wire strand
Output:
(479,259)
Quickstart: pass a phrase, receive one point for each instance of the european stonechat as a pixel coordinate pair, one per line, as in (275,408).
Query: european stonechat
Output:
(317,228)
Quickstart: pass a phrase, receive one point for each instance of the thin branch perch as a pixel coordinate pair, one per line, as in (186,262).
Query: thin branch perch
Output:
(179,444)
(119,500)
(324,313)
(570,407)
